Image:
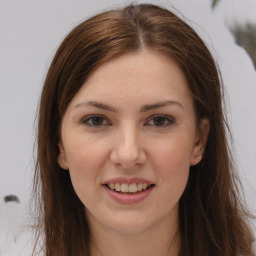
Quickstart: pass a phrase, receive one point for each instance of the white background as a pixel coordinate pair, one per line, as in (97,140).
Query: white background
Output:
(30,32)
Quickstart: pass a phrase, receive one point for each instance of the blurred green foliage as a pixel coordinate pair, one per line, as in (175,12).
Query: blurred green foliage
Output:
(214,2)
(245,36)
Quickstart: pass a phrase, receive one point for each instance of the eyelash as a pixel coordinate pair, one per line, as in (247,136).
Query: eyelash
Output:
(88,121)
(167,121)
(90,118)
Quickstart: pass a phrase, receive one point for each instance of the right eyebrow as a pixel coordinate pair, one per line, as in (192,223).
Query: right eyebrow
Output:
(97,105)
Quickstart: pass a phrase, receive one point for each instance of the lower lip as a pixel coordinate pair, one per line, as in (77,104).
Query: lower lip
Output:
(129,198)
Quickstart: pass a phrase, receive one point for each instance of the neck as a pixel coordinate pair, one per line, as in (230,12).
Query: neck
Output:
(161,240)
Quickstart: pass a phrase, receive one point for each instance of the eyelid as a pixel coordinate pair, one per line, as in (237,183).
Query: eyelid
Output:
(170,120)
(85,120)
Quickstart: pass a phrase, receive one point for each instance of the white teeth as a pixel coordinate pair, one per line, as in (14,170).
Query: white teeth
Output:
(112,186)
(144,186)
(117,187)
(125,188)
(133,188)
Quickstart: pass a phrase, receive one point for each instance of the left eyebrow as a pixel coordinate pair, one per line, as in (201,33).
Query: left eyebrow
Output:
(161,104)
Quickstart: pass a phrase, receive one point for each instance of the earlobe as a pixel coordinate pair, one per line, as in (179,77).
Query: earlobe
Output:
(200,141)
(62,158)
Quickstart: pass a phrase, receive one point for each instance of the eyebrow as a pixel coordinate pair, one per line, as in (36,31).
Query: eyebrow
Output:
(161,104)
(97,105)
(144,108)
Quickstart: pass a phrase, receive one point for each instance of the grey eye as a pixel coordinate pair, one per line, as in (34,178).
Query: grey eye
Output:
(160,121)
(95,120)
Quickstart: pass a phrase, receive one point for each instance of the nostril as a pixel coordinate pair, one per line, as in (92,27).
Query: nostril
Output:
(128,158)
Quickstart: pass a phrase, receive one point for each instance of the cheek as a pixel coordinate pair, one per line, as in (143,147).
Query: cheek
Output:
(174,153)
(84,152)
(85,159)
(171,161)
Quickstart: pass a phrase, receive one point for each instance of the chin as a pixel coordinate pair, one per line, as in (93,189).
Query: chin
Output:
(129,224)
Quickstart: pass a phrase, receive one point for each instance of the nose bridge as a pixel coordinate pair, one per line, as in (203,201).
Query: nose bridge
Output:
(128,150)
(129,139)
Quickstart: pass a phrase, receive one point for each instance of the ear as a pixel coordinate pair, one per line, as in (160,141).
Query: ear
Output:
(200,141)
(62,158)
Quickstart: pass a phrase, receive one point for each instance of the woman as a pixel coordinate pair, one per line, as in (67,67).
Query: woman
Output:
(132,151)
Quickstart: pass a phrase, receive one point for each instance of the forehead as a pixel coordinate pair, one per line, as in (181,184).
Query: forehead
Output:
(144,75)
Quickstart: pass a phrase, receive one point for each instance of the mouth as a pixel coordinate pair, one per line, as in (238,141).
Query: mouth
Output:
(129,189)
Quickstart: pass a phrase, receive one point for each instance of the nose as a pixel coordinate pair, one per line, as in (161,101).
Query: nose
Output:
(128,149)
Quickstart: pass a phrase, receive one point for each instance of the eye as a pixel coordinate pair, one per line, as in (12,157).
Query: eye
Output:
(160,121)
(95,121)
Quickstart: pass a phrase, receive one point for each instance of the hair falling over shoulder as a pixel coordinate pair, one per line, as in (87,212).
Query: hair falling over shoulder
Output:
(213,220)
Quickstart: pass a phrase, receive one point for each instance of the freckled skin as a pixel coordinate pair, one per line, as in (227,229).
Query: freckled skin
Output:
(129,144)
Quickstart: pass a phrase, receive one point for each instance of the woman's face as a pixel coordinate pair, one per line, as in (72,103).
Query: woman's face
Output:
(128,140)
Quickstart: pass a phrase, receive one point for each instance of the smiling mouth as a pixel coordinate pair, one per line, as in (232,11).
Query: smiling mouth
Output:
(124,188)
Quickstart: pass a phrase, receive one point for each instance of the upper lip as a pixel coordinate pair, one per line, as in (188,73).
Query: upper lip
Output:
(128,181)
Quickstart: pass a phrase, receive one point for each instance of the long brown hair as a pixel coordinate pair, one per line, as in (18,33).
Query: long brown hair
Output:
(212,219)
